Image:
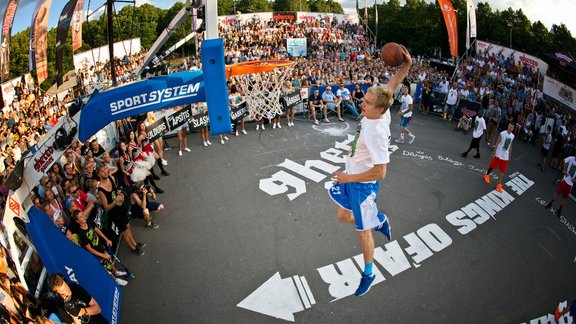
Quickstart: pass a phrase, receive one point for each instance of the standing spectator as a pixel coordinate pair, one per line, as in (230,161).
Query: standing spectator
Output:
(494,116)
(234,98)
(479,130)
(545,147)
(290,112)
(451,100)
(426,97)
(75,304)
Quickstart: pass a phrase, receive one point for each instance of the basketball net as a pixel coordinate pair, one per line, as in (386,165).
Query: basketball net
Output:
(262,91)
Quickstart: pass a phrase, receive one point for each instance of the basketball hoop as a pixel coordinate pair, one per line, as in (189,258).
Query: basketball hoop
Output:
(263,80)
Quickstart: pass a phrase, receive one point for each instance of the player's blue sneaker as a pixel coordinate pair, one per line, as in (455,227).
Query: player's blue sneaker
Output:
(385,229)
(365,284)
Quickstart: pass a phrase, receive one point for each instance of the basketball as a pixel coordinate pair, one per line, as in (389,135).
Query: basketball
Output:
(392,54)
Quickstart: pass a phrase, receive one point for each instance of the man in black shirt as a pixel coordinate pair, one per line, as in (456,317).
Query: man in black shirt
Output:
(315,102)
(75,305)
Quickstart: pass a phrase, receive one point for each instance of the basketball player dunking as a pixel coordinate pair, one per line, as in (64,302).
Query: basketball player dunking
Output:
(355,190)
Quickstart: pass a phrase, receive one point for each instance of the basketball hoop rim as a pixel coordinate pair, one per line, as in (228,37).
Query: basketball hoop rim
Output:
(256,66)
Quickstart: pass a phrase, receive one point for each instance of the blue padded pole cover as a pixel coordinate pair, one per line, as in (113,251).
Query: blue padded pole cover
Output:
(215,85)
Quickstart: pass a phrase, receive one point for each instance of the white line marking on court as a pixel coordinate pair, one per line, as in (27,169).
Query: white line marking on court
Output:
(554,233)
(545,250)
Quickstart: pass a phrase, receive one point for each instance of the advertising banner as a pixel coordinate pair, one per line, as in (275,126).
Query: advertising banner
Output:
(61,35)
(238,112)
(561,92)
(77,26)
(40,41)
(296,46)
(451,25)
(167,91)
(7,22)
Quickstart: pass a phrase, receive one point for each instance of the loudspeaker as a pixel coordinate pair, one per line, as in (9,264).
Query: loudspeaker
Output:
(75,107)
(63,139)
(14,180)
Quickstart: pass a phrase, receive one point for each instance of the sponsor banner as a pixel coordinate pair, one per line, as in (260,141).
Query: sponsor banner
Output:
(7,22)
(77,265)
(238,112)
(40,41)
(101,54)
(77,25)
(178,118)
(467,107)
(232,19)
(157,129)
(472,19)
(520,58)
(8,92)
(451,25)
(559,91)
(61,35)
(290,100)
(199,119)
(284,16)
(296,46)
(326,17)
(161,92)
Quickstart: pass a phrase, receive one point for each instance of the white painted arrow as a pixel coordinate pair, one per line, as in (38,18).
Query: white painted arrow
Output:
(279,297)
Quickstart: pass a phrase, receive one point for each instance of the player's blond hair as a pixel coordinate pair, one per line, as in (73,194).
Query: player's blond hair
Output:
(384,97)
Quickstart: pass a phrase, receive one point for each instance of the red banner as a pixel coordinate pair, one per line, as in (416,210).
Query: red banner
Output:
(451,25)
(77,26)
(5,39)
(40,39)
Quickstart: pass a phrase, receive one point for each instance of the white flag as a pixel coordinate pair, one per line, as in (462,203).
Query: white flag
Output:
(472,18)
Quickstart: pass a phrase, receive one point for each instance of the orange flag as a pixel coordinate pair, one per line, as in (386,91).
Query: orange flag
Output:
(451,25)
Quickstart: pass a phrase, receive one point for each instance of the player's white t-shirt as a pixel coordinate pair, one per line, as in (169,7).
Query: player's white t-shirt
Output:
(406,102)
(570,169)
(503,149)
(479,127)
(371,146)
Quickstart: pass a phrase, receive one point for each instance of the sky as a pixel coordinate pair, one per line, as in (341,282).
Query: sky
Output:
(549,12)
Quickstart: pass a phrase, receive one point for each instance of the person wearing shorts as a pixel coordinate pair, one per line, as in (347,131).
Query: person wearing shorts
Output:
(355,190)
(501,155)
(451,99)
(565,185)
(405,114)
(142,203)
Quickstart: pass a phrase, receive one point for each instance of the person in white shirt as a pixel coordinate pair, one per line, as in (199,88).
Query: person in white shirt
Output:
(444,85)
(479,130)
(355,190)
(331,102)
(405,114)
(451,99)
(565,185)
(501,156)
(345,98)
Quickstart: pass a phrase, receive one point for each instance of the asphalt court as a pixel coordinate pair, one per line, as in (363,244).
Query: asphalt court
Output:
(249,235)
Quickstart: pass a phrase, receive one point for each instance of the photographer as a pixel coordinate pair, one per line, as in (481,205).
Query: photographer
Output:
(75,305)
(142,201)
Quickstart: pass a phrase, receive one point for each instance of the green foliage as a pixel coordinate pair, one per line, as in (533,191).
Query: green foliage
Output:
(418,24)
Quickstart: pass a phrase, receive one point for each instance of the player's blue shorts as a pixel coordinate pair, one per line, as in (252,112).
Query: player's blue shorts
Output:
(404,121)
(360,198)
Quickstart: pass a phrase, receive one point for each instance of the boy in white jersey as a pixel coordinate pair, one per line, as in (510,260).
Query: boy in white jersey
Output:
(405,114)
(565,185)
(355,189)
(501,155)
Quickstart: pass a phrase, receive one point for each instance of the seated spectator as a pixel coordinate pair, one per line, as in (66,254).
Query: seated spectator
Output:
(345,98)
(331,103)
(315,102)
(74,303)
(464,123)
(142,201)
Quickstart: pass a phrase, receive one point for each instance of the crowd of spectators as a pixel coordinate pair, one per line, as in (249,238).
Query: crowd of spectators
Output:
(89,190)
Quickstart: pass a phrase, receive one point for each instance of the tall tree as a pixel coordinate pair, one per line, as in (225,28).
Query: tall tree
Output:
(225,7)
